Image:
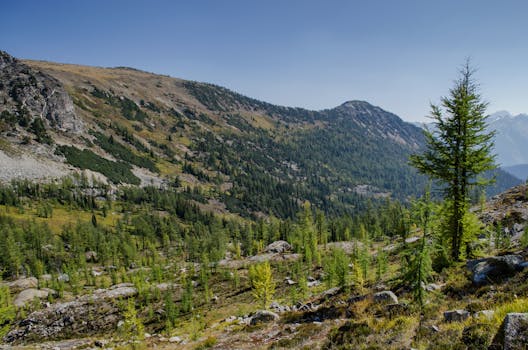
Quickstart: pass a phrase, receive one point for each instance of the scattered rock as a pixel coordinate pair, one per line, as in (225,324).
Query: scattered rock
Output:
(456,315)
(263,316)
(278,247)
(175,340)
(290,282)
(513,333)
(276,307)
(494,269)
(385,297)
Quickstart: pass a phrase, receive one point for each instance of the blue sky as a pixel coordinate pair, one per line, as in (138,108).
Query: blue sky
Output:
(400,55)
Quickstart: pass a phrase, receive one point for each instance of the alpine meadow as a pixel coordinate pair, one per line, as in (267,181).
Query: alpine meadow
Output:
(144,211)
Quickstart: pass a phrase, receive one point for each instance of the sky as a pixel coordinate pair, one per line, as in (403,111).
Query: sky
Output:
(400,55)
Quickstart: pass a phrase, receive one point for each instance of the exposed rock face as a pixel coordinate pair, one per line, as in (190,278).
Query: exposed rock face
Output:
(495,269)
(513,333)
(24,90)
(89,314)
(263,316)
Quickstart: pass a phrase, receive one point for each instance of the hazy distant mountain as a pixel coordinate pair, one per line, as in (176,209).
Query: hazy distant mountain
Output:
(511,140)
(520,171)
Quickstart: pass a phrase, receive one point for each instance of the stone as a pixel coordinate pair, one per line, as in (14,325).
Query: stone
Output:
(27,295)
(175,340)
(63,277)
(412,239)
(263,316)
(290,282)
(22,283)
(513,333)
(385,297)
(456,315)
(330,292)
(90,256)
(494,269)
(395,310)
(484,314)
(278,247)
(356,299)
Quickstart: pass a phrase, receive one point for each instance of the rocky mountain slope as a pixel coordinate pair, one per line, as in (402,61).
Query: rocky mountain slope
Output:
(129,126)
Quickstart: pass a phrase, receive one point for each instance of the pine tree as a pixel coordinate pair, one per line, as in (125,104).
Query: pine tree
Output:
(458,151)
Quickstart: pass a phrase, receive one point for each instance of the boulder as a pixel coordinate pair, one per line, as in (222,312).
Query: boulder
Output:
(263,316)
(278,247)
(385,297)
(26,296)
(484,314)
(495,269)
(395,310)
(90,256)
(356,299)
(513,333)
(456,315)
(23,283)
(175,339)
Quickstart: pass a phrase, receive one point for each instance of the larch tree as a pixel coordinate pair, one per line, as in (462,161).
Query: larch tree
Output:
(459,149)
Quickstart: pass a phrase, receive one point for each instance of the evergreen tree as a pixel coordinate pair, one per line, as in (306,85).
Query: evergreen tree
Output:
(458,151)
(261,280)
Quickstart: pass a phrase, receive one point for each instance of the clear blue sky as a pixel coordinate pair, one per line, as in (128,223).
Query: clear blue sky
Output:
(398,54)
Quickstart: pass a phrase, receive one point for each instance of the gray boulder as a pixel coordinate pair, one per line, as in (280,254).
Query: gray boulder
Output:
(26,296)
(456,315)
(263,316)
(385,297)
(495,269)
(513,333)
(278,247)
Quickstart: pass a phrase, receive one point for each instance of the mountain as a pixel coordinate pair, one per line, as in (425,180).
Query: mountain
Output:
(511,137)
(520,171)
(128,126)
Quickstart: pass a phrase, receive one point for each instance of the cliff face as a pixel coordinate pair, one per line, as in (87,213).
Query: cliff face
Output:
(27,94)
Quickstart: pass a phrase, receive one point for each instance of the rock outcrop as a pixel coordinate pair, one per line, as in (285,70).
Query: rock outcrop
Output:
(90,314)
(495,269)
(513,333)
(28,93)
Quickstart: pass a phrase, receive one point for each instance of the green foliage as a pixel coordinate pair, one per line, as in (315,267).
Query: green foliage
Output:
(458,151)
(37,127)
(123,153)
(117,172)
(7,310)
(262,284)
(129,109)
(132,328)
(336,269)
(418,263)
